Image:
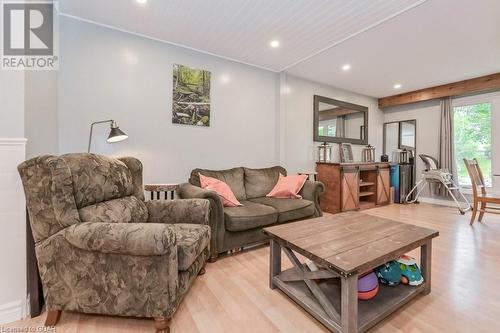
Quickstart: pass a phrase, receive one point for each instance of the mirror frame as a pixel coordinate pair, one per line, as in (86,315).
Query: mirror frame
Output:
(400,146)
(321,138)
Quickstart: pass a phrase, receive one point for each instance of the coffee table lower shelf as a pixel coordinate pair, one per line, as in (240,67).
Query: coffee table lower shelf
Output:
(370,312)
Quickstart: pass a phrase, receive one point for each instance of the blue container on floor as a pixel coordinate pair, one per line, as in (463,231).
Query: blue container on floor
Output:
(395,181)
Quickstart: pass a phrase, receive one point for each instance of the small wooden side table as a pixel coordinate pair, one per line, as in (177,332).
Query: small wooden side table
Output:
(158,188)
(309,174)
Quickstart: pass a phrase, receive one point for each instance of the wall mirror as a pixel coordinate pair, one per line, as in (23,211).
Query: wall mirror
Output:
(400,135)
(340,122)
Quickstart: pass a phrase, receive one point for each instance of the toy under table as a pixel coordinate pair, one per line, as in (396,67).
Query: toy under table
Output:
(346,245)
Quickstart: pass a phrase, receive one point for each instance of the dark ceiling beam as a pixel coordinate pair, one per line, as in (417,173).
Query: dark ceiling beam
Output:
(481,84)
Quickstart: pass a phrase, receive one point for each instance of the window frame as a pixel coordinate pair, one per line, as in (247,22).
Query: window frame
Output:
(494,100)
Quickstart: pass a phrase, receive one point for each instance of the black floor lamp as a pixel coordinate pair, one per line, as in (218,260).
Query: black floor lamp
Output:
(115,134)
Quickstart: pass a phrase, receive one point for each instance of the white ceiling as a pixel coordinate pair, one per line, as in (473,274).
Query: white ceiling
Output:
(416,43)
(242,29)
(438,42)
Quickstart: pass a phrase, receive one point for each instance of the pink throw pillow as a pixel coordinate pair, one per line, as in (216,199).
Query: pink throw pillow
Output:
(288,187)
(222,189)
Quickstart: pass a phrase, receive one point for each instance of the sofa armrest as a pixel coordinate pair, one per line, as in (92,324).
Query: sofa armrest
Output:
(216,220)
(195,211)
(311,191)
(139,239)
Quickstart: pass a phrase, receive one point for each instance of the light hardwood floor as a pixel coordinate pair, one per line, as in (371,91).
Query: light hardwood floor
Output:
(233,296)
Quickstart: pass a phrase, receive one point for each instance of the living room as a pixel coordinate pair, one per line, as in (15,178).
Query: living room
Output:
(281,155)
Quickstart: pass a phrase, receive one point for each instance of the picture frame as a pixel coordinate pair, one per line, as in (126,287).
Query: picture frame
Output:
(346,153)
(191,96)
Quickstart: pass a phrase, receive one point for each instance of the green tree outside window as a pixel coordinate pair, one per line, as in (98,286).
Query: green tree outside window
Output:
(472,131)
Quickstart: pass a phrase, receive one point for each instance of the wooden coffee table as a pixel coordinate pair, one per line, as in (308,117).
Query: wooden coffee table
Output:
(345,246)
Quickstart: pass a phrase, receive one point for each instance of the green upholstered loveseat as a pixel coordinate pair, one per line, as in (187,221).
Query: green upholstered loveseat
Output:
(234,227)
(100,248)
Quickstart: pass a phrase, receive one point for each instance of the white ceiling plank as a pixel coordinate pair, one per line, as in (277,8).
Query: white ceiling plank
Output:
(367,28)
(418,43)
(438,42)
(242,29)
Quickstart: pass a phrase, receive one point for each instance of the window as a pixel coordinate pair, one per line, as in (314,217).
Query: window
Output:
(472,127)
(331,130)
(327,127)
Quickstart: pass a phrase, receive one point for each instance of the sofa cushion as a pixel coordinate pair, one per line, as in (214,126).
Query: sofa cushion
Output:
(136,239)
(192,239)
(222,189)
(288,209)
(259,182)
(122,210)
(249,216)
(288,187)
(98,178)
(232,177)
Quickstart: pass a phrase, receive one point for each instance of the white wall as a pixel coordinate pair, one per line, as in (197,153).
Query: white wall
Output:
(12,211)
(428,119)
(11,104)
(110,74)
(296,125)
(40,107)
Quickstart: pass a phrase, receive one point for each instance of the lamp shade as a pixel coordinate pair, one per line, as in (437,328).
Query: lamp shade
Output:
(116,135)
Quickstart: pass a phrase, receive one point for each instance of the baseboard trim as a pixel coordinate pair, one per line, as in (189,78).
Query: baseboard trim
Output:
(13,311)
(13,141)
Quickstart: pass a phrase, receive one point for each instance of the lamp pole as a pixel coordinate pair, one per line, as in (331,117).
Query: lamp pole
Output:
(92,128)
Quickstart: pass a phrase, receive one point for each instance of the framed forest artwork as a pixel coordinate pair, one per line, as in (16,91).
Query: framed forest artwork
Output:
(191,96)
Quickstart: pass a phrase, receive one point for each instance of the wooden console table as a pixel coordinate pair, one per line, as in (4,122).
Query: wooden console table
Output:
(354,186)
(345,246)
(158,188)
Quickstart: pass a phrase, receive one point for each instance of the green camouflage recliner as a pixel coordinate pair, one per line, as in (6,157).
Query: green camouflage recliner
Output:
(100,248)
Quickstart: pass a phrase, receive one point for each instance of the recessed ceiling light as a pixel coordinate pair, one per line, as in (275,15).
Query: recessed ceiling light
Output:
(142,2)
(397,86)
(346,67)
(274,43)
